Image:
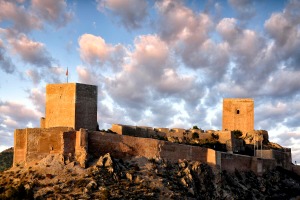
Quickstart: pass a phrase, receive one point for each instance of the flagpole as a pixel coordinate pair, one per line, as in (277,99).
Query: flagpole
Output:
(67,74)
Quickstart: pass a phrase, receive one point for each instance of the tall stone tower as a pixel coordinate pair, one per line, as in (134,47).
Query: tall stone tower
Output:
(238,114)
(71,105)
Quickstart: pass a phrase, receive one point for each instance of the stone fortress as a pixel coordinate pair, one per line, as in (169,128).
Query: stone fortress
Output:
(70,129)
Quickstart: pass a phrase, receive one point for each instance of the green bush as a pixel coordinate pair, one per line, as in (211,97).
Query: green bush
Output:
(214,136)
(195,135)
(195,127)
(237,133)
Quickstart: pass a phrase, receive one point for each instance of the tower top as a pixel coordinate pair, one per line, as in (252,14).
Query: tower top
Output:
(71,105)
(238,114)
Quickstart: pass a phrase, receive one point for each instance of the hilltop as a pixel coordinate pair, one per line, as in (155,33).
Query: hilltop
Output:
(6,159)
(141,178)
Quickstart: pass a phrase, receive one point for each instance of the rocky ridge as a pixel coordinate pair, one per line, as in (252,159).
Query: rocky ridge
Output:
(6,159)
(140,178)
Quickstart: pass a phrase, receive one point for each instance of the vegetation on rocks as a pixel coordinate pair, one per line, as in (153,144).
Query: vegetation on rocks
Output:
(6,159)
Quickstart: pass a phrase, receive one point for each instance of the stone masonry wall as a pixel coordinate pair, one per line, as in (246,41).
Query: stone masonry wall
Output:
(282,158)
(60,105)
(71,105)
(230,162)
(69,140)
(33,144)
(121,146)
(86,107)
(20,146)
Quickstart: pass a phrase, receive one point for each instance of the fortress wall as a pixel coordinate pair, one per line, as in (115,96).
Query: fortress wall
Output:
(81,147)
(230,162)
(296,169)
(206,135)
(42,142)
(117,128)
(19,146)
(176,132)
(224,136)
(137,131)
(163,132)
(120,146)
(268,164)
(282,159)
(69,140)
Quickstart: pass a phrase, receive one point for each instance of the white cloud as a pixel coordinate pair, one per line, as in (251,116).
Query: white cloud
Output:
(38,99)
(52,11)
(131,13)
(30,51)
(17,14)
(86,76)
(244,8)
(95,51)
(16,115)
(5,62)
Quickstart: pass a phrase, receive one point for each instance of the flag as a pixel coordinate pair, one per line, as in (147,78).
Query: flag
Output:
(67,72)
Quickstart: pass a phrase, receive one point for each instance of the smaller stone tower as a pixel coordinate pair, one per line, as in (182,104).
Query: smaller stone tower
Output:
(71,105)
(238,114)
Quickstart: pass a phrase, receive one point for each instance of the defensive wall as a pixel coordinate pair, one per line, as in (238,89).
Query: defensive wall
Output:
(74,105)
(296,169)
(282,157)
(121,146)
(224,137)
(34,144)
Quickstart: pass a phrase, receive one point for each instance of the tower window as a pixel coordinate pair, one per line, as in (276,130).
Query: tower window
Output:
(237,111)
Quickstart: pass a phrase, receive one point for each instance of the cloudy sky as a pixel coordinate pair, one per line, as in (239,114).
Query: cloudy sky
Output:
(163,63)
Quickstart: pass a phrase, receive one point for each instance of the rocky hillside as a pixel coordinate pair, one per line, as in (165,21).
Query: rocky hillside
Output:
(6,159)
(140,178)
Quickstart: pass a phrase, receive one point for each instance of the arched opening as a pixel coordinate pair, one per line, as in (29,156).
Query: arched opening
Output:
(237,111)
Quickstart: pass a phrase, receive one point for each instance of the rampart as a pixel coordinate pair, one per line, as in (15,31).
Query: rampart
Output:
(34,144)
(126,146)
(296,169)
(282,157)
(224,137)
(121,146)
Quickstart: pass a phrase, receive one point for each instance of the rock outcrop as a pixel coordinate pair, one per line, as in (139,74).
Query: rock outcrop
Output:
(140,178)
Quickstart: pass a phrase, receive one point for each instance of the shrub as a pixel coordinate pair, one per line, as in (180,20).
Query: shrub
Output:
(195,135)
(214,136)
(195,127)
(237,133)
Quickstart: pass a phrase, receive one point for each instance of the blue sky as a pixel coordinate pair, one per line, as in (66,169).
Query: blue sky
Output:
(157,63)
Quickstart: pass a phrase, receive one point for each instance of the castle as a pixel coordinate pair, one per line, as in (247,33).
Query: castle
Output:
(70,129)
